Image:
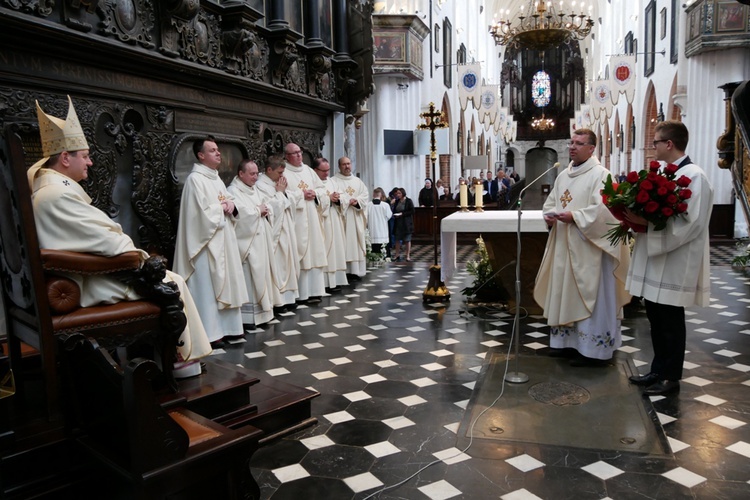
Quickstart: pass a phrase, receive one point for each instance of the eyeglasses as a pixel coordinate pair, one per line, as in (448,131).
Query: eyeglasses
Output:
(295,153)
(657,141)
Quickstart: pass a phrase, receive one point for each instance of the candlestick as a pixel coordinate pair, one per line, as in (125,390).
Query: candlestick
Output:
(463,196)
(479,196)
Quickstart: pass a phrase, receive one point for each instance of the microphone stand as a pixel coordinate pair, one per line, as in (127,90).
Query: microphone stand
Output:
(516,376)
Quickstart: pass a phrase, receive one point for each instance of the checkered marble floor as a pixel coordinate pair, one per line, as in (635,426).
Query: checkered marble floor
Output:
(396,375)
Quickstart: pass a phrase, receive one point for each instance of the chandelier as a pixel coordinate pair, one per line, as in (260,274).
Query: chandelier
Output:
(543,124)
(542,26)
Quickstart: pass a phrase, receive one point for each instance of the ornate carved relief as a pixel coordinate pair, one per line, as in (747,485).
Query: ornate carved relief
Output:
(130,21)
(199,40)
(289,71)
(245,53)
(322,79)
(106,149)
(42,8)
(160,118)
(155,197)
(258,149)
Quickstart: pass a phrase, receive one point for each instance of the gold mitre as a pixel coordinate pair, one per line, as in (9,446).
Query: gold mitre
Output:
(60,135)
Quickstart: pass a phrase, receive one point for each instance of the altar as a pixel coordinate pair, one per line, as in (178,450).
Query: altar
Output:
(499,228)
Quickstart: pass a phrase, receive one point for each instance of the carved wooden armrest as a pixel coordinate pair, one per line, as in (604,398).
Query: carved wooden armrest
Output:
(87,263)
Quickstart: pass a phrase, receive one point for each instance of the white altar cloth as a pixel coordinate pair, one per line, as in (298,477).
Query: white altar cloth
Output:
(491,221)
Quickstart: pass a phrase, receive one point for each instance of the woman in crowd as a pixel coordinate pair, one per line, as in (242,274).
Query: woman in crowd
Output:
(378,215)
(427,194)
(403,215)
(440,189)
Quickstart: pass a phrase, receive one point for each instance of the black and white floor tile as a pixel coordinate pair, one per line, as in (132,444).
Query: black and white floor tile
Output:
(396,375)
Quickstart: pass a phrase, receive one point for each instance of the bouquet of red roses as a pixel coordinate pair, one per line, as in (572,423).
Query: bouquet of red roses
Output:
(653,194)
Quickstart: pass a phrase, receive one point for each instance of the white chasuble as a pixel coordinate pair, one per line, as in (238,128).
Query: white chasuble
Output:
(333,233)
(308,229)
(350,187)
(254,237)
(581,280)
(66,220)
(284,241)
(207,254)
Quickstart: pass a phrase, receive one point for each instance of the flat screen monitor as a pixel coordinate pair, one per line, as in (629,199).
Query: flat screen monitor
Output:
(398,142)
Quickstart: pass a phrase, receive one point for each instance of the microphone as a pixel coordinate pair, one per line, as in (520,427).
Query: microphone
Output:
(517,376)
(520,195)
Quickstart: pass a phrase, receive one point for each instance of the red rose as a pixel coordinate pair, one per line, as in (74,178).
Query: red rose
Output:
(667,212)
(652,176)
(685,194)
(605,199)
(671,169)
(662,191)
(654,165)
(651,207)
(647,185)
(642,197)
(684,181)
(672,199)
(632,177)
(661,181)
(681,208)
(618,212)
(670,185)
(615,185)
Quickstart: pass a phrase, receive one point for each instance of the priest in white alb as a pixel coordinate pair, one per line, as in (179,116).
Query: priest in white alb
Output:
(272,186)
(66,220)
(207,253)
(332,220)
(255,239)
(581,280)
(354,199)
(305,191)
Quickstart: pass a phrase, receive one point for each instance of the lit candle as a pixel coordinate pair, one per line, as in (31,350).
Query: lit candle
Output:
(463,195)
(478,195)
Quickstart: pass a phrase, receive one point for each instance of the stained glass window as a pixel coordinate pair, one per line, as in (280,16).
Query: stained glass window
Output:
(540,89)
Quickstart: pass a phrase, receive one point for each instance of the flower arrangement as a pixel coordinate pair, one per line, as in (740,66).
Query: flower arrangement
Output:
(652,193)
(742,259)
(371,256)
(483,273)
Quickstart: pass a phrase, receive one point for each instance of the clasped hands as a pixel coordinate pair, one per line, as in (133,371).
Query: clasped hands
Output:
(227,206)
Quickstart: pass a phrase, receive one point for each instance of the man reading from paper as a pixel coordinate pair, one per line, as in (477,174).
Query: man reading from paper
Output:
(581,280)
(66,220)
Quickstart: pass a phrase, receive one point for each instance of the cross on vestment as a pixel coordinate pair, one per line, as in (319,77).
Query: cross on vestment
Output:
(566,198)
(350,191)
(302,185)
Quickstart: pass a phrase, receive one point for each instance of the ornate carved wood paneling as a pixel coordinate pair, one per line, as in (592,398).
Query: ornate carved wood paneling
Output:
(220,35)
(146,76)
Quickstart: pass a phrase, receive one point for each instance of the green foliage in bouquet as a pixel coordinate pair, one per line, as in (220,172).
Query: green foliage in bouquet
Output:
(481,269)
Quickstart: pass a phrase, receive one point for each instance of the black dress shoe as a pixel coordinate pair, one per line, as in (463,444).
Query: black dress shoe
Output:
(314,300)
(662,387)
(218,344)
(646,380)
